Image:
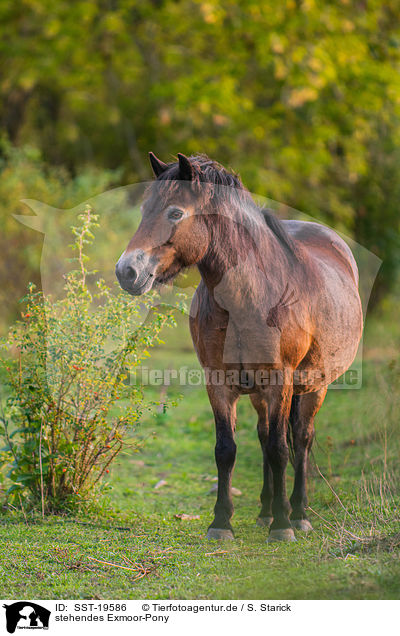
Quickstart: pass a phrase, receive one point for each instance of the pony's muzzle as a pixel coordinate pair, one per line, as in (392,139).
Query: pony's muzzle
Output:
(134,273)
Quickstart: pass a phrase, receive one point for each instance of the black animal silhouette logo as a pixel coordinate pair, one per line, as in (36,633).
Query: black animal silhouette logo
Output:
(26,615)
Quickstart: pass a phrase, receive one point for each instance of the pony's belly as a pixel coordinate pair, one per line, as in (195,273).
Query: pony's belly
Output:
(316,346)
(330,355)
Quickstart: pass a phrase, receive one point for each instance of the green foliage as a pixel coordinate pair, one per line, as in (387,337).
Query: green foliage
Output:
(70,408)
(301,97)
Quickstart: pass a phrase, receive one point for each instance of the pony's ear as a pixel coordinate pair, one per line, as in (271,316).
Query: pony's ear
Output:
(158,166)
(185,168)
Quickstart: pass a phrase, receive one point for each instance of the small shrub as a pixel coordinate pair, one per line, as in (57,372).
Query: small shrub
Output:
(70,409)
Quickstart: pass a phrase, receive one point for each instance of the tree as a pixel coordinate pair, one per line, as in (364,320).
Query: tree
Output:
(301,97)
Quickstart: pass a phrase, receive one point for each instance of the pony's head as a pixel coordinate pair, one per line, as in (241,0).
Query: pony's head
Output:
(174,232)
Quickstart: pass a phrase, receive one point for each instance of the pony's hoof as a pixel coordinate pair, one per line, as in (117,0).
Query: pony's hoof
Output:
(282,534)
(301,524)
(264,522)
(219,534)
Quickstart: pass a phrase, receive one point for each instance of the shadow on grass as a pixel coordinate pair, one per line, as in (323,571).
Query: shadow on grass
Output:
(62,522)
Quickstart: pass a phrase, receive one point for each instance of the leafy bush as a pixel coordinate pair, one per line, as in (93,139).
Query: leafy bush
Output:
(70,409)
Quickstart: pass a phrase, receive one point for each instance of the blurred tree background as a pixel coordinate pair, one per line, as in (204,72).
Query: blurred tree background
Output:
(301,97)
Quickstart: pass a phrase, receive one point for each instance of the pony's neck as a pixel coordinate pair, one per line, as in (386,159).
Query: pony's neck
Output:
(242,249)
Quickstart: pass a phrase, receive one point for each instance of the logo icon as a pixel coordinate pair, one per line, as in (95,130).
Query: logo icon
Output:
(26,615)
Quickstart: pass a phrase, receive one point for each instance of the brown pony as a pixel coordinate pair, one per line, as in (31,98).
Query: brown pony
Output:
(277,315)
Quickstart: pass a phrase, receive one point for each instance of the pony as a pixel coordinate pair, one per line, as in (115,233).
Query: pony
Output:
(277,315)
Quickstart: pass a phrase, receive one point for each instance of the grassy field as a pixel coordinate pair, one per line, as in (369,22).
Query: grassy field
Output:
(134,546)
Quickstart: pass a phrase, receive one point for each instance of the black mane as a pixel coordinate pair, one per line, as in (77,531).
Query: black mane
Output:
(206,170)
(277,228)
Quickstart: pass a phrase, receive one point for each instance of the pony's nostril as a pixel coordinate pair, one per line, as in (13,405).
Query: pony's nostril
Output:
(131,273)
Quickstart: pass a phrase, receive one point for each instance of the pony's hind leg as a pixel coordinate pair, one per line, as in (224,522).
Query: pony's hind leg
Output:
(223,401)
(265,517)
(303,411)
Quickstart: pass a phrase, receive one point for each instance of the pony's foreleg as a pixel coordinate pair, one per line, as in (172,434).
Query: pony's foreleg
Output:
(223,401)
(278,456)
(265,516)
(303,411)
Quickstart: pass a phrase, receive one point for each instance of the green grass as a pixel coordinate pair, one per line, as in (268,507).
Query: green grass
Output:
(352,554)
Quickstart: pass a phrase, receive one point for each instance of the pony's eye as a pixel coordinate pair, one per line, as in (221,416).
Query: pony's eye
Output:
(175,214)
